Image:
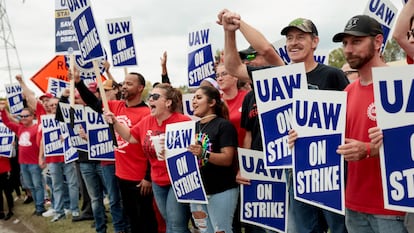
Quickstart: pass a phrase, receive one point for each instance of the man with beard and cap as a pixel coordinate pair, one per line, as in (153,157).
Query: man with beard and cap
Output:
(362,40)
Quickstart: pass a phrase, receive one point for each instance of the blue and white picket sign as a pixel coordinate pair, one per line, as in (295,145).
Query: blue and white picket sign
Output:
(121,42)
(86,30)
(52,143)
(200,56)
(14,97)
(65,36)
(70,152)
(100,142)
(75,139)
(394,102)
(318,171)
(56,86)
(264,202)
(6,139)
(188,106)
(86,70)
(321,56)
(274,95)
(182,165)
(385,12)
(280,47)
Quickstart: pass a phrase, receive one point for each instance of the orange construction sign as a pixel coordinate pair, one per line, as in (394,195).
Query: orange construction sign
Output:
(56,68)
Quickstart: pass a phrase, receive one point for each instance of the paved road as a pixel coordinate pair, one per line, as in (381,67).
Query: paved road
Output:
(14,226)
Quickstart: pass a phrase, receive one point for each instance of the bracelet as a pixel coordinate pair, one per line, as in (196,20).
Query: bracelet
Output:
(368,149)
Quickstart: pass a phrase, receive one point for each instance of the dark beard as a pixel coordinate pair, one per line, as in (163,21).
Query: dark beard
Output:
(362,60)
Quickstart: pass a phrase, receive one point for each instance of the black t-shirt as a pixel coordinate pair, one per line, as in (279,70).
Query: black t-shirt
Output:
(213,136)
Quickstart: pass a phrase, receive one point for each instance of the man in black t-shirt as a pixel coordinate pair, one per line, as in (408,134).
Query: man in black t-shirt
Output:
(301,42)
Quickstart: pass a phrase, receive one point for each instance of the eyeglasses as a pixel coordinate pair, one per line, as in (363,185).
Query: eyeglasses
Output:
(250,57)
(410,34)
(24,116)
(154,96)
(222,74)
(349,72)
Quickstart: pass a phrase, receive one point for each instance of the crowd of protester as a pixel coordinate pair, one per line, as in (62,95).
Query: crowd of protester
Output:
(136,183)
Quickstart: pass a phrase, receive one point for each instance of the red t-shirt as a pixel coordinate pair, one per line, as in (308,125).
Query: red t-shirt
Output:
(364,191)
(130,161)
(143,131)
(28,147)
(4,165)
(235,110)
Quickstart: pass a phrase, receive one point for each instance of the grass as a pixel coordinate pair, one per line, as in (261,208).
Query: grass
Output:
(41,224)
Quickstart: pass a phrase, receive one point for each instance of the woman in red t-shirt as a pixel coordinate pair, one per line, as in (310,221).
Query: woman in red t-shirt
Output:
(165,105)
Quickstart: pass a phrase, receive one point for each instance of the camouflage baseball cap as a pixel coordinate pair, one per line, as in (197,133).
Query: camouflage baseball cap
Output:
(302,24)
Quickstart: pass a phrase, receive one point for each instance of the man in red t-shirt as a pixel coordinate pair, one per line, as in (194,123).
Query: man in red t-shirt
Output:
(362,40)
(131,165)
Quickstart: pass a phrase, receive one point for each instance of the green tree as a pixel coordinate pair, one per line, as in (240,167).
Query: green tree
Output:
(393,51)
(337,58)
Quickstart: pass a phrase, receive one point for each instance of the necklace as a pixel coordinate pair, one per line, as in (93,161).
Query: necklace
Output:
(206,117)
(206,124)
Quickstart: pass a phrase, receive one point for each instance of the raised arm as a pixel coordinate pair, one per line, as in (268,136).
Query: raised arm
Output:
(29,94)
(231,23)
(403,25)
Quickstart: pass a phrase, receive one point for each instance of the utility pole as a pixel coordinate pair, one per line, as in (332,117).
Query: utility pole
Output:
(9,58)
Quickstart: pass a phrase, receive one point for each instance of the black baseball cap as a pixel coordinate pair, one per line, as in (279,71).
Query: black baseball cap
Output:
(360,25)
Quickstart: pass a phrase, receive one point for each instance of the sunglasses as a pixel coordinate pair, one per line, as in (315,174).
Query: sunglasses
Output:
(222,74)
(24,116)
(349,72)
(250,57)
(410,34)
(154,96)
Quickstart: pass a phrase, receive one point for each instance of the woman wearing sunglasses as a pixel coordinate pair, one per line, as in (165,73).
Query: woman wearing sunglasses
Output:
(215,148)
(165,103)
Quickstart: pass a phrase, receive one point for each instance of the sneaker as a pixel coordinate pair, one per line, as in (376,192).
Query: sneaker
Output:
(75,214)
(49,213)
(38,213)
(2,215)
(8,216)
(67,211)
(28,199)
(58,217)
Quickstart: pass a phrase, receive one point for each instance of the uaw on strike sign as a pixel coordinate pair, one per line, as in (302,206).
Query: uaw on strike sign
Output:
(274,95)
(264,202)
(319,120)
(394,102)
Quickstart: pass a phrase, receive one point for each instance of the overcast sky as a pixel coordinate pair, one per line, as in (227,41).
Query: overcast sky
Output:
(163,26)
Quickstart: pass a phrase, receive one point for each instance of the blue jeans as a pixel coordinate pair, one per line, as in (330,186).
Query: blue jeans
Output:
(92,175)
(59,171)
(217,215)
(115,202)
(32,176)
(309,218)
(175,214)
(367,223)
